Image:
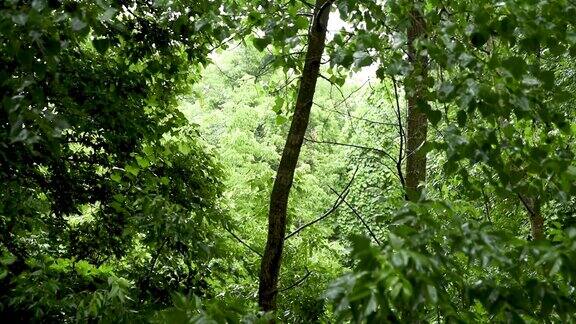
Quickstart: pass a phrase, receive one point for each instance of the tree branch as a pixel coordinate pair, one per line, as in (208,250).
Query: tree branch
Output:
(323,8)
(377,150)
(341,196)
(402,137)
(298,282)
(527,206)
(486,205)
(347,114)
(360,218)
(308,4)
(243,243)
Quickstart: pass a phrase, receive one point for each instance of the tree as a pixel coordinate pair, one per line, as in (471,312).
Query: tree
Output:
(271,260)
(99,168)
(116,206)
(498,114)
(417,122)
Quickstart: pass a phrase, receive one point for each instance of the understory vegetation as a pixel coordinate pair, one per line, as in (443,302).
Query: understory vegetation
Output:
(336,161)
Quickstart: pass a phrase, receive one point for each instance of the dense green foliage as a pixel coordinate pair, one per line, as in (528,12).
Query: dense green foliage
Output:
(138,153)
(109,199)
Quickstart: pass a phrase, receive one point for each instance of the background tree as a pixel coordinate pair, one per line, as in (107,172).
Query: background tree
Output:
(416,121)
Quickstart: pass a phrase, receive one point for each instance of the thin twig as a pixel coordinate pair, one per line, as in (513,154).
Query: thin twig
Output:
(155,259)
(326,214)
(377,150)
(402,136)
(486,205)
(341,196)
(347,114)
(298,282)
(243,243)
(360,218)
(345,98)
(287,83)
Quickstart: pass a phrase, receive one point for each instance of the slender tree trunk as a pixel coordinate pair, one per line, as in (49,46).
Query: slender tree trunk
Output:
(536,221)
(533,207)
(270,266)
(417,122)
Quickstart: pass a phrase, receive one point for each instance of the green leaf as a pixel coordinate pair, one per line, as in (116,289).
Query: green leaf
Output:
(547,78)
(531,43)
(281,120)
(479,38)
(361,59)
(107,15)
(7,259)
(148,150)
(132,169)
(461,118)
(20,19)
(432,293)
(395,241)
(77,24)
(506,27)
(516,66)
(142,162)
(556,267)
(116,177)
(278,104)
(381,73)
(396,290)
(261,43)
(200,24)
(372,306)
(301,22)
(101,45)
(39,5)
(434,116)
(184,148)
(445,90)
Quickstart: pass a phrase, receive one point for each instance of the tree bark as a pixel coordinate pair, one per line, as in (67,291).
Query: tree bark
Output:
(270,266)
(536,221)
(417,122)
(533,207)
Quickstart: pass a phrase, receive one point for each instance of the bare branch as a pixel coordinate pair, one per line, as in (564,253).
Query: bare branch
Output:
(344,97)
(486,205)
(298,282)
(243,243)
(377,150)
(360,218)
(325,78)
(347,114)
(284,86)
(341,196)
(402,137)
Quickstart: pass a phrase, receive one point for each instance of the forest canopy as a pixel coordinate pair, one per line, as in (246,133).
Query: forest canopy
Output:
(298,161)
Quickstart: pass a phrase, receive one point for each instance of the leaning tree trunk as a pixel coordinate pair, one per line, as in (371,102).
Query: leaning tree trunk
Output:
(417,122)
(270,266)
